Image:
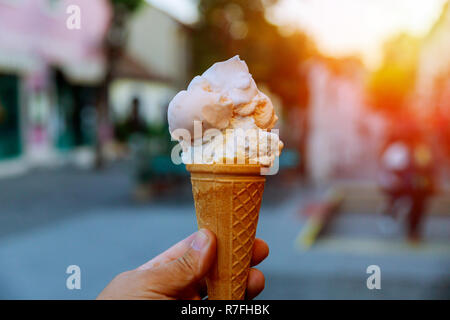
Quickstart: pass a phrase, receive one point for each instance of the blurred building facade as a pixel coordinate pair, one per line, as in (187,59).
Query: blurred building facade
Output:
(433,89)
(433,80)
(39,56)
(50,76)
(164,54)
(344,134)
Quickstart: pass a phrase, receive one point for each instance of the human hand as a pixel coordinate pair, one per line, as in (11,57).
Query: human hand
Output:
(179,272)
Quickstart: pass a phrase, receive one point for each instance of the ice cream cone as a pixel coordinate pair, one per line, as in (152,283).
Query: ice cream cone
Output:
(227,201)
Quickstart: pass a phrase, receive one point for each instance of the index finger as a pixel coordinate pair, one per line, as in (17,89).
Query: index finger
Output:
(260,251)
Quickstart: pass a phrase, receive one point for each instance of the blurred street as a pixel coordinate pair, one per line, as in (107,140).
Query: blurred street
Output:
(93,95)
(51,219)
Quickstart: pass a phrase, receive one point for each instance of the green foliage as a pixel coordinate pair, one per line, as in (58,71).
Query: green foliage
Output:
(127,5)
(239,27)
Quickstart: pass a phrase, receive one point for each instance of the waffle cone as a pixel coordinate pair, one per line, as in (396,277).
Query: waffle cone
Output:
(227,202)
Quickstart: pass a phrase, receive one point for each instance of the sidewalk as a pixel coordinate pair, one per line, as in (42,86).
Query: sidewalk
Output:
(362,195)
(53,219)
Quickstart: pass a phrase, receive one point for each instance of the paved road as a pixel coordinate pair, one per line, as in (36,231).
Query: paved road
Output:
(52,219)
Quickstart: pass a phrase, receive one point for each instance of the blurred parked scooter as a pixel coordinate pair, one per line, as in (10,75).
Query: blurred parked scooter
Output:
(406,178)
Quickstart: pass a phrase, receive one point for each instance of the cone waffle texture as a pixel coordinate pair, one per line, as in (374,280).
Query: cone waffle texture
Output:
(227,201)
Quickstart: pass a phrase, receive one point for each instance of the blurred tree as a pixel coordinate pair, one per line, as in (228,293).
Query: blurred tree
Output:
(391,85)
(114,42)
(127,5)
(274,56)
(227,28)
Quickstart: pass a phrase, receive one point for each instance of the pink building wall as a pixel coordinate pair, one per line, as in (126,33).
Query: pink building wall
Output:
(345,135)
(34,36)
(37,30)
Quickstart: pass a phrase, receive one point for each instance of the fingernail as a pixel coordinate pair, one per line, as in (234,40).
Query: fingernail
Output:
(200,241)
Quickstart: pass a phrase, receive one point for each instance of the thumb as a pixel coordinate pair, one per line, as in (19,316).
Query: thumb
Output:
(190,267)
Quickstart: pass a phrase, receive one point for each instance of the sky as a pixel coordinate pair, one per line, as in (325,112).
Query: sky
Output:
(183,10)
(340,27)
(345,27)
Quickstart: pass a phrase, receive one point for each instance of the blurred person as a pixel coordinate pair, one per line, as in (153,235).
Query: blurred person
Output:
(134,122)
(134,131)
(2,113)
(179,272)
(406,177)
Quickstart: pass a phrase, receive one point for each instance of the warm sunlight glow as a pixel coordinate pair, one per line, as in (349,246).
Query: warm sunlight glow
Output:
(356,26)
